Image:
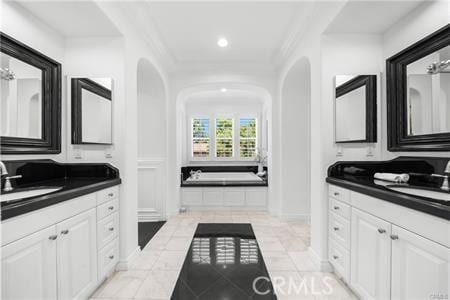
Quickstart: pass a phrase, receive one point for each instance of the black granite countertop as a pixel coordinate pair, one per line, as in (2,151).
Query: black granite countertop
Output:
(74,180)
(358,177)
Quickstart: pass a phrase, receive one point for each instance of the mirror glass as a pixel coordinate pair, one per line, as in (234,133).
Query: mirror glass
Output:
(93,110)
(21,98)
(350,111)
(428,94)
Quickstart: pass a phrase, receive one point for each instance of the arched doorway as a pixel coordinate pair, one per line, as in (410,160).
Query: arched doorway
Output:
(296,141)
(152,143)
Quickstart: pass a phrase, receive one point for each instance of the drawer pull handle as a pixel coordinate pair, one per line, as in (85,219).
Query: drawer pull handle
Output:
(394,237)
(111,194)
(336,207)
(335,256)
(53,237)
(65,231)
(381,230)
(111,208)
(336,194)
(111,257)
(336,228)
(111,228)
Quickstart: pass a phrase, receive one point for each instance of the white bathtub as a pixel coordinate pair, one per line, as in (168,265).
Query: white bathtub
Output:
(224,176)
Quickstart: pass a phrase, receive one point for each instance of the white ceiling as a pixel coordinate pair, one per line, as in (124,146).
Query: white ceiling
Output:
(255,30)
(72,18)
(373,17)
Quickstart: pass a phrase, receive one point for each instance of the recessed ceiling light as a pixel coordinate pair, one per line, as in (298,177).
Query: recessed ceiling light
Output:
(222,42)
(223,90)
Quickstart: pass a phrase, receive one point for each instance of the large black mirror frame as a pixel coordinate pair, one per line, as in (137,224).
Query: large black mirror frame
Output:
(396,75)
(50,143)
(77,85)
(370,82)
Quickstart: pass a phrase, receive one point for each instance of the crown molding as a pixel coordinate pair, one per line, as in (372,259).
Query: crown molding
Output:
(137,14)
(293,37)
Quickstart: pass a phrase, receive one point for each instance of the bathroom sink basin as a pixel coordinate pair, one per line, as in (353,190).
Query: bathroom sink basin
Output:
(421,193)
(28,194)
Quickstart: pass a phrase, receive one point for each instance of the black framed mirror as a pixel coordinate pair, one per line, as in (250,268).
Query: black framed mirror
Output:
(355,109)
(30,100)
(91,111)
(418,95)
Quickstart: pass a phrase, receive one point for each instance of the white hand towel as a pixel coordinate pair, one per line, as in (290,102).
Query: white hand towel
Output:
(399,178)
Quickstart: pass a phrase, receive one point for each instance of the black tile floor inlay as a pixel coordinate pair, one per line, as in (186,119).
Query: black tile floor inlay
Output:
(223,263)
(146,230)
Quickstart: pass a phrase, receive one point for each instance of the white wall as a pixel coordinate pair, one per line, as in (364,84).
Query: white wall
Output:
(296,142)
(79,55)
(26,28)
(115,57)
(152,142)
(348,54)
(424,20)
(309,47)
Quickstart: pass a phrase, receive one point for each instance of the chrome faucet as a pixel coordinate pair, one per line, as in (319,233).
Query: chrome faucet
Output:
(445,184)
(3,169)
(3,172)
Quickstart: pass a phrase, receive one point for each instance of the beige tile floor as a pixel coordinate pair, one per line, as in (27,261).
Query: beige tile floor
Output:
(283,244)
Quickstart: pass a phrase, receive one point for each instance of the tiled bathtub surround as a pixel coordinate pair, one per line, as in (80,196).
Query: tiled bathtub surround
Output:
(283,244)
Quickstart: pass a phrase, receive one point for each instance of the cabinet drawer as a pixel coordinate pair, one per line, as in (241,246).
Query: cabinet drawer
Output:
(107,230)
(339,229)
(340,259)
(107,194)
(108,258)
(107,208)
(339,193)
(340,208)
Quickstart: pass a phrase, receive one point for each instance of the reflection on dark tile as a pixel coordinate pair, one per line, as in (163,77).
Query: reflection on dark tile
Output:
(222,263)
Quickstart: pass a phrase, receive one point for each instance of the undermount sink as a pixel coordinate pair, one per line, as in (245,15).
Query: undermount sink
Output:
(28,194)
(421,193)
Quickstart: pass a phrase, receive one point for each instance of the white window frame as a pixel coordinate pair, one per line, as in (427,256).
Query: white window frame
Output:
(257,138)
(233,138)
(212,137)
(191,139)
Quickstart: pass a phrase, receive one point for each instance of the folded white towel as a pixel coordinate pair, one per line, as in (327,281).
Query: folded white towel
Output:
(399,178)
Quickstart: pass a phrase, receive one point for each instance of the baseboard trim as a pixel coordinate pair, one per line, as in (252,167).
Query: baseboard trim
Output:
(149,215)
(322,265)
(123,265)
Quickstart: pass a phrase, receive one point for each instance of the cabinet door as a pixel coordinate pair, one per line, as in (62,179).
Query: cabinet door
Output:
(370,256)
(77,256)
(420,267)
(29,267)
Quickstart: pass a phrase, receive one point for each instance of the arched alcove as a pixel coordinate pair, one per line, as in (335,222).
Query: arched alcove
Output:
(152,143)
(296,141)
(249,91)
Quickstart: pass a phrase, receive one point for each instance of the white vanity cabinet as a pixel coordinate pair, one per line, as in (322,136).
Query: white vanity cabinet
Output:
(29,267)
(395,252)
(77,256)
(370,256)
(420,267)
(55,252)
